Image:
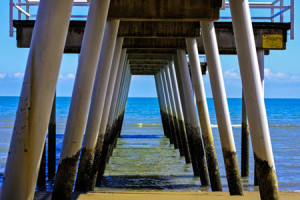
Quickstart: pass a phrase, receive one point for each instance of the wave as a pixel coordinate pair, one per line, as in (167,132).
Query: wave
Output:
(140,125)
(233,126)
(270,125)
(285,125)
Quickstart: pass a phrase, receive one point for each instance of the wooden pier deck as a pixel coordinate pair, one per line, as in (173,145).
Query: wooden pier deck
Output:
(155,195)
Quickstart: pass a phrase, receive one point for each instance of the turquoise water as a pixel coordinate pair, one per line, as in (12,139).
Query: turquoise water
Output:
(144,159)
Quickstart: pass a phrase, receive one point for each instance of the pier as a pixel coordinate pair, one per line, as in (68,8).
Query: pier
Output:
(118,39)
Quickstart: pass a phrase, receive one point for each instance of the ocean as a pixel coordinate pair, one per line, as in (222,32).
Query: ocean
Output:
(144,159)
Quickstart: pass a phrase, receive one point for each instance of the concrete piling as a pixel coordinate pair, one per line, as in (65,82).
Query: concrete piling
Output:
(186,115)
(261,63)
(116,115)
(175,111)
(99,91)
(166,110)
(162,106)
(103,131)
(81,96)
(169,91)
(116,89)
(123,100)
(173,138)
(52,142)
(259,130)
(221,107)
(88,148)
(192,124)
(245,142)
(181,121)
(102,148)
(41,182)
(36,99)
(210,151)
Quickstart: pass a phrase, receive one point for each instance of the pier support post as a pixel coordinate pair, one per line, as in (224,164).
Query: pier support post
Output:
(36,99)
(111,117)
(161,102)
(81,96)
(88,148)
(162,106)
(173,117)
(192,125)
(245,142)
(99,88)
(253,93)
(52,142)
(208,141)
(221,107)
(117,115)
(173,139)
(108,98)
(41,182)
(186,115)
(118,132)
(104,147)
(123,101)
(261,63)
(121,68)
(175,110)
(181,121)
(166,110)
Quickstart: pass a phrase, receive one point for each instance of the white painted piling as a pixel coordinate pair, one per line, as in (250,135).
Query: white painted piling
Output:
(52,142)
(221,107)
(87,153)
(81,96)
(109,92)
(173,139)
(120,93)
(163,111)
(100,86)
(193,125)
(253,93)
(166,79)
(183,134)
(186,115)
(122,64)
(245,125)
(208,141)
(167,111)
(36,99)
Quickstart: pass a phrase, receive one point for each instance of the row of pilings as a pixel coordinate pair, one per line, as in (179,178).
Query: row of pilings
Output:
(99,100)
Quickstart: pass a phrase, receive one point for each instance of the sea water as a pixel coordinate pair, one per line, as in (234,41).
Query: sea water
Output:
(144,159)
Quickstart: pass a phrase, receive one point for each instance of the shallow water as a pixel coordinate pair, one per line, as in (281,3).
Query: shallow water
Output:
(144,159)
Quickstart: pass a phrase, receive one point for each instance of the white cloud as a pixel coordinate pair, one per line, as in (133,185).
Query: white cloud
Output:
(18,75)
(67,77)
(232,74)
(280,76)
(2,75)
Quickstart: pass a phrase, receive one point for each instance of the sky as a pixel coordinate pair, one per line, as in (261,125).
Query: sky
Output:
(282,68)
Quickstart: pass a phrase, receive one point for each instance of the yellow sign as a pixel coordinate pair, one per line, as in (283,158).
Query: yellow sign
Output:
(272,41)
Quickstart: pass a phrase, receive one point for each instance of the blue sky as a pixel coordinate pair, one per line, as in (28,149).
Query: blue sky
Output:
(282,68)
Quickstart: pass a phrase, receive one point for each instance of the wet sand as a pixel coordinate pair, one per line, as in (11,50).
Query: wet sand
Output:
(156,195)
